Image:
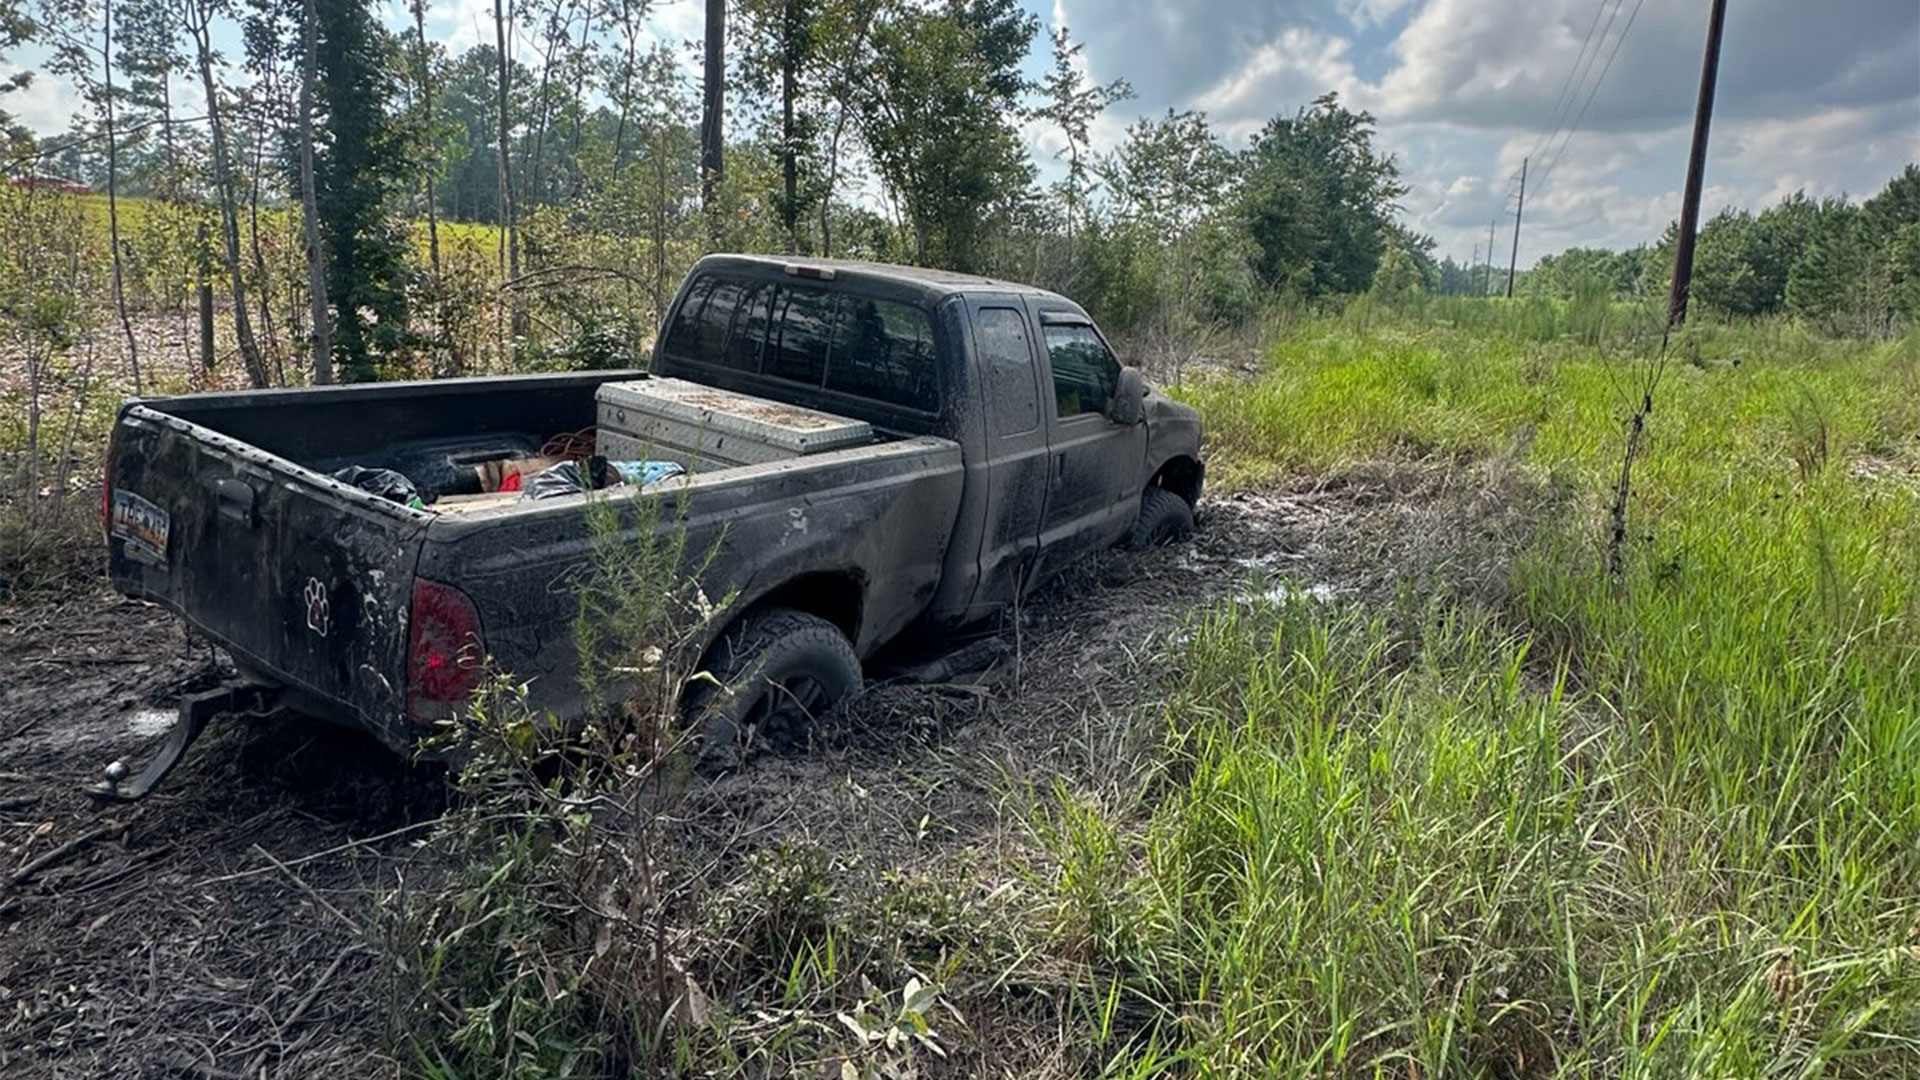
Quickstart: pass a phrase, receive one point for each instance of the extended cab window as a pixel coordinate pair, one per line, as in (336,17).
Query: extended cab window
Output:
(884,351)
(722,324)
(1085,373)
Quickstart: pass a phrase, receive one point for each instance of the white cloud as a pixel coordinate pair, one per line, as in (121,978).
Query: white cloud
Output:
(1365,13)
(45,105)
(1280,76)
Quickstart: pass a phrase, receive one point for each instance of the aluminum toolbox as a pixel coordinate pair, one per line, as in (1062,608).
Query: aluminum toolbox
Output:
(714,428)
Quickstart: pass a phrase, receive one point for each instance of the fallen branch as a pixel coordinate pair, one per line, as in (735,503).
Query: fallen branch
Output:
(26,873)
(301,884)
(304,859)
(18,802)
(313,994)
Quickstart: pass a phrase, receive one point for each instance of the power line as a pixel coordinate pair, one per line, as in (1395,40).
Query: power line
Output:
(1608,66)
(1561,100)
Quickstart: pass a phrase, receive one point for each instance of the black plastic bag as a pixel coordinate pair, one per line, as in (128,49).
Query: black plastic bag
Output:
(566,478)
(385,483)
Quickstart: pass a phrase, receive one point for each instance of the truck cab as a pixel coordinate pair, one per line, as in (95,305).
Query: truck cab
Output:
(1059,439)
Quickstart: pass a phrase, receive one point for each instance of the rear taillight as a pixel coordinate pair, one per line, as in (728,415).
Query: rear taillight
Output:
(444,650)
(106,498)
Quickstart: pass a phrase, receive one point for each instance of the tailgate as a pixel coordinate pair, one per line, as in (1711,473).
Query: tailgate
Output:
(305,580)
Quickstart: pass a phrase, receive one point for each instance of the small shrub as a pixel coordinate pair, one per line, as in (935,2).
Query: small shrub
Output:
(547,953)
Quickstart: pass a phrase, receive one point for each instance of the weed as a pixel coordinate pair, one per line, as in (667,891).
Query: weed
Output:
(549,952)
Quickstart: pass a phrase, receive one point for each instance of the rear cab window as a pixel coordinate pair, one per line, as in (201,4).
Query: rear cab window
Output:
(814,336)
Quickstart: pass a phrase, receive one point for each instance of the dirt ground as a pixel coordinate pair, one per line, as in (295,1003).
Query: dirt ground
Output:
(215,929)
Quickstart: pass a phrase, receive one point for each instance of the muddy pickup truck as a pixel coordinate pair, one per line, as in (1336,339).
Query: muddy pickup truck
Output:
(983,437)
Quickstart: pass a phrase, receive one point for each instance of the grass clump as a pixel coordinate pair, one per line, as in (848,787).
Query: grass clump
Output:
(1431,855)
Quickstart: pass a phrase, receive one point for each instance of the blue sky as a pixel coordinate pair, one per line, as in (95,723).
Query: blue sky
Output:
(1815,95)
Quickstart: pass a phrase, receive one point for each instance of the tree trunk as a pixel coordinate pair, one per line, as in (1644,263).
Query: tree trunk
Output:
(579,100)
(713,118)
(259,257)
(833,175)
(789,88)
(431,159)
(321,333)
(113,198)
(556,36)
(659,156)
(626,90)
(229,215)
(509,239)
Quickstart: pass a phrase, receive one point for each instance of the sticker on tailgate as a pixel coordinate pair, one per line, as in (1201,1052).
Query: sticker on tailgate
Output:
(142,525)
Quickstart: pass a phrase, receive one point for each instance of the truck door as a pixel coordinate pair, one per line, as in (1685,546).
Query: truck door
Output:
(1095,464)
(1016,448)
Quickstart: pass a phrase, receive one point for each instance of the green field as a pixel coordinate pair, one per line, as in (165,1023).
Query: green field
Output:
(1662,826)
(135,212)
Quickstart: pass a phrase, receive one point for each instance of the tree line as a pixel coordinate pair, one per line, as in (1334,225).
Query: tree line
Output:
(365,202)
(328,179)
(1850,268)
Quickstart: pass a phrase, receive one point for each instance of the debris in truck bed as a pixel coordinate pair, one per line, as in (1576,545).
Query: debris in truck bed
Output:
(386,483)
(509,474)
(642,473)
(570,477)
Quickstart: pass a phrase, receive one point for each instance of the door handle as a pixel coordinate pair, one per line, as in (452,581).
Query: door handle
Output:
(1059,467)
(234,497)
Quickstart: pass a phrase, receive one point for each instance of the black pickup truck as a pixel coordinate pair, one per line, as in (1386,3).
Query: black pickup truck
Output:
(1003,441)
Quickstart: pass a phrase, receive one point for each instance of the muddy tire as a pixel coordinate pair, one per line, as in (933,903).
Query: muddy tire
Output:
(771,678)
(1165,518)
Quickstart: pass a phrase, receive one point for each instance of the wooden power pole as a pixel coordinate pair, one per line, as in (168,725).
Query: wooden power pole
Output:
(712,126)
(1486,276)
(1513,260)
(1696,170)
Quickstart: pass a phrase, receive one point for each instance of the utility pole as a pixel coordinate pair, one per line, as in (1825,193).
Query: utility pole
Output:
(1486,276)
(1696,170)
(1513,261)
(712,126)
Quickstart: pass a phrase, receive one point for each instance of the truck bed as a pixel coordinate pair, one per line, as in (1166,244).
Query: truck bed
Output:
(232,521)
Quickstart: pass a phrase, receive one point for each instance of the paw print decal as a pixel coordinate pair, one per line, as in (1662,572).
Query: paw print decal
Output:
(319,612)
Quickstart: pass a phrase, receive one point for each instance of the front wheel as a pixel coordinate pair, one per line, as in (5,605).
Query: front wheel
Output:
(767,681)
(1165,518)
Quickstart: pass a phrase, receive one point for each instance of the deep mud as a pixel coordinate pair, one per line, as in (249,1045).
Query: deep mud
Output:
(212,930)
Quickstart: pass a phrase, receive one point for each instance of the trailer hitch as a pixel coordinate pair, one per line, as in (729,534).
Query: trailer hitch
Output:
(195,711)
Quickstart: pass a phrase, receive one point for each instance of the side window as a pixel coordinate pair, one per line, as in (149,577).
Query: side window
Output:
(884,351)
(803,325)
(1084,372)
(1000,334)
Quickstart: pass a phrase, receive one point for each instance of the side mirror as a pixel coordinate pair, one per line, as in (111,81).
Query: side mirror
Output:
(1129,398)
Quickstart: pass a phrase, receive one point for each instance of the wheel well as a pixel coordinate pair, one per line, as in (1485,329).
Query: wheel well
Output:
(835,597)
(1181,476)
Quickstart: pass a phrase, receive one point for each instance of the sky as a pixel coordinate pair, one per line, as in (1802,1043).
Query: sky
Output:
(1821,96)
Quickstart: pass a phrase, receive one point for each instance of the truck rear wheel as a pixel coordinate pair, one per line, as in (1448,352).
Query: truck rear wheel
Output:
(771,678)
(1165,518)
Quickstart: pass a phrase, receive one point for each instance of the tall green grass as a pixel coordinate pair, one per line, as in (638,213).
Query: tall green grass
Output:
(1667,825)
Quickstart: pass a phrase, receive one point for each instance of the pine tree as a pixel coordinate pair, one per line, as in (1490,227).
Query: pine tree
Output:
(360,169)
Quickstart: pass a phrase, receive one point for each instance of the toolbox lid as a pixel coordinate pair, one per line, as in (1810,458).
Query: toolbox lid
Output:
(723,413)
